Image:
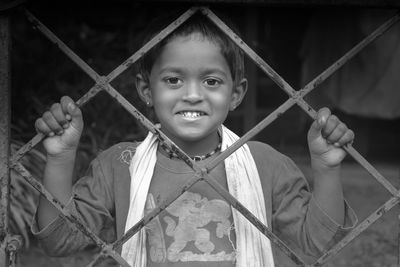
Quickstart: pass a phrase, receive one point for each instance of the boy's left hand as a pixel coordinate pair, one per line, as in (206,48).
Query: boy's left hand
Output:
(326,136)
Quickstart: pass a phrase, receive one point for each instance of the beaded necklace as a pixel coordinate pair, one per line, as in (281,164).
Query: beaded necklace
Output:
(172,154)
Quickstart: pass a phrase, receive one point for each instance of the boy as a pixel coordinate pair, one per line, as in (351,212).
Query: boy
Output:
(192,80)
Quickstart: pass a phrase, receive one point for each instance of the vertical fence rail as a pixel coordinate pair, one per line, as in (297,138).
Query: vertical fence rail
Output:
(9,245)
(4,134)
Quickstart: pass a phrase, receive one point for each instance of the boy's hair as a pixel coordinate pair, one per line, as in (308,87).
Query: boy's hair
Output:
(198,23)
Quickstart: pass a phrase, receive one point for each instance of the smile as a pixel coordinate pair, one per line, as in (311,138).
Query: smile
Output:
(191,114)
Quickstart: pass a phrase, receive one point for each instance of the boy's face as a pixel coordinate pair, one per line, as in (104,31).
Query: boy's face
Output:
(191,89)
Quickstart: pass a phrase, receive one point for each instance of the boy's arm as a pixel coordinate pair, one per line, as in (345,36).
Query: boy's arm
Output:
(62,125)
(326,136)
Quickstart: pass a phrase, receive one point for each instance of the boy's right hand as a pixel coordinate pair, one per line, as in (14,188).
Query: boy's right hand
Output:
(62,124)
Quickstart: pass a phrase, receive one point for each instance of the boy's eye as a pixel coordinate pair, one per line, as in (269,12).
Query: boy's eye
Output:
(173,80)
(212,82)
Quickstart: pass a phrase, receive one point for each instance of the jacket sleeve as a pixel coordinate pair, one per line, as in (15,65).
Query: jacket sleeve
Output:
(92,204)
(296,216)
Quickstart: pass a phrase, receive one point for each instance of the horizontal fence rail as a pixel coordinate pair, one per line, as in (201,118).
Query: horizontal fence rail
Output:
(295,97)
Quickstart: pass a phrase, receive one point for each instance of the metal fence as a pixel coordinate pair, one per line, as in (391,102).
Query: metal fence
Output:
(10,244)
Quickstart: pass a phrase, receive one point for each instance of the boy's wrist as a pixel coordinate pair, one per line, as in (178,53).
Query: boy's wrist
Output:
(317,163)
(65,156)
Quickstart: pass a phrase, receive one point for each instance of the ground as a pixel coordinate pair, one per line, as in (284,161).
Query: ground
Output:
(375,247)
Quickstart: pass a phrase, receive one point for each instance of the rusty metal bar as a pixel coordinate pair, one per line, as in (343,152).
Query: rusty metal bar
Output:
(198,177)
(38,137)
(65,213)
(5,123)
(101,81)
(352,152)
(250,52)
(349,55)
(393,201)
(253,219)
(155,40)
(294,99)
(129,107)
(156,211)
(61,45)
(250,134)
(149,125)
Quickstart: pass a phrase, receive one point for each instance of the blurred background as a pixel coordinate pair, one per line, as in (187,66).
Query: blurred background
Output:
(297,41)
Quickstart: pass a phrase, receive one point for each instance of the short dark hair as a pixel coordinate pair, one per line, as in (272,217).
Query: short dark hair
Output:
(198,23)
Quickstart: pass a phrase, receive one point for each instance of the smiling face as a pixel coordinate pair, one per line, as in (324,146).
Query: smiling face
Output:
(192,91)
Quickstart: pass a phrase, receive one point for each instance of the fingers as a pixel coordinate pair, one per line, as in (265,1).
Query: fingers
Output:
(322,116)
(58,117)
(333,130)
(69,107)
(320,121)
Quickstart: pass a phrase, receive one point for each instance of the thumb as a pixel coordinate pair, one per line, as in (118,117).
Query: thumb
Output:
(317,125)
(75,115)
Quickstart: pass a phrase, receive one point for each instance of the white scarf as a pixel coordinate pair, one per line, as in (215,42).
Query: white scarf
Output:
(253,248)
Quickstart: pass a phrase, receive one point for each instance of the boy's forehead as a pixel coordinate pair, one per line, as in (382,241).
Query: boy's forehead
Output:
(193,36)
(192,47)
(191,54)
(204,44)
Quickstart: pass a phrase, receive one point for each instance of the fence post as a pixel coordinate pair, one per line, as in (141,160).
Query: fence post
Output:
(5,112)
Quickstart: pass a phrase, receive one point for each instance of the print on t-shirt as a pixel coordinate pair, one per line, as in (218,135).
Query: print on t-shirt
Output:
(189,221)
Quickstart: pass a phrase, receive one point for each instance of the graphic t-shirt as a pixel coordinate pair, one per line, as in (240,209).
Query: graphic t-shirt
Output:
(196,229)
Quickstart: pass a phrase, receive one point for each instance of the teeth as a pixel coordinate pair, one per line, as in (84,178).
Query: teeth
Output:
(192,114)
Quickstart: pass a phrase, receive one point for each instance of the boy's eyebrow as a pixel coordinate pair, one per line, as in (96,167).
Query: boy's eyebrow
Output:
(171,69)
(203,71)
(206,71)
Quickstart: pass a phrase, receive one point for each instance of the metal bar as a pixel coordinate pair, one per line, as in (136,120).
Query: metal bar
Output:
(150,44)
(352,152)
(101,81)
(62,46)
(358,230)
(156,211)
(149,125)
(297,96)
(253,219)
(17,166)
(250,52)
(179,191)
(250,134)
(38,137)
(5,120)
(349,55)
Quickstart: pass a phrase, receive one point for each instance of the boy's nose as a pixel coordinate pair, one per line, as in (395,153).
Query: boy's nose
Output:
(193,93)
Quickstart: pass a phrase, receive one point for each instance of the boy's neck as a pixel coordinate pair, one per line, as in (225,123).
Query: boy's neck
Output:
(194,155)
(202,147)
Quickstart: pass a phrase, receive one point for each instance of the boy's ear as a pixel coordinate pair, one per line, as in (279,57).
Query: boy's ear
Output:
(239,91)
(143,89)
